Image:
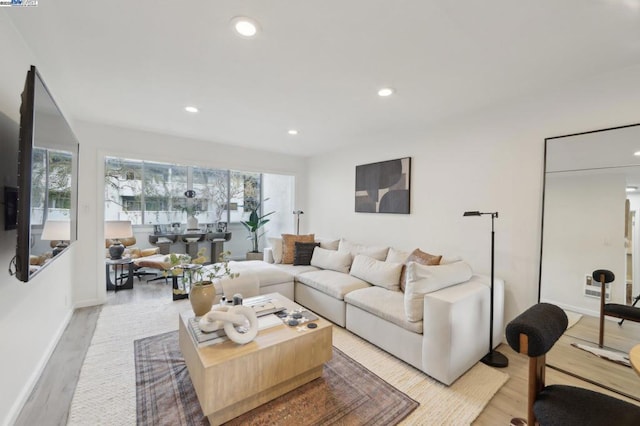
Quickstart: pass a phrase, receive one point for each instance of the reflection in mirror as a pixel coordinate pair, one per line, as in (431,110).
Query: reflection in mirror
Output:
(47,180)
(591,200)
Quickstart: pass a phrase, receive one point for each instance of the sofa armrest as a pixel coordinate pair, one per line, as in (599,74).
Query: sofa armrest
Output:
(268,255)
(456,327)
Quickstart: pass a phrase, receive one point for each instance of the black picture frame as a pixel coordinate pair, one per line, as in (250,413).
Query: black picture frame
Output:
(10,208)
(384,187)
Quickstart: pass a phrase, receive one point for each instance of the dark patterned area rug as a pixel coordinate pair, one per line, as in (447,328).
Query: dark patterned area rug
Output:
(346,394)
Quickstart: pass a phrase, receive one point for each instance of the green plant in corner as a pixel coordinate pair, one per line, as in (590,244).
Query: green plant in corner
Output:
(254,225)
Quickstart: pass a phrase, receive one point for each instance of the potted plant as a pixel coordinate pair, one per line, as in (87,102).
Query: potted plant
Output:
(201,279)
(192,211)
(254,226)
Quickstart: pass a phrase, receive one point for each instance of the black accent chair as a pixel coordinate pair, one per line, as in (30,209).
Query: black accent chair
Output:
(533,333)
(624,312)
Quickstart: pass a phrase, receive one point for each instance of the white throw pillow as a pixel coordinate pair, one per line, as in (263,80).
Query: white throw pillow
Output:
(377,272)
(331,259)
(377,252)
(449,259)
(276,247)
(396,255)
(328,243)
(423,279)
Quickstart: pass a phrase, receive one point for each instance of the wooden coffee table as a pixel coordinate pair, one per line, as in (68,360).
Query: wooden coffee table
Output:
(231,379)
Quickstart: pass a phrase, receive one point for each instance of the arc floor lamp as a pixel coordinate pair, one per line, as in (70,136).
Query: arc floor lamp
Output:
(492,358)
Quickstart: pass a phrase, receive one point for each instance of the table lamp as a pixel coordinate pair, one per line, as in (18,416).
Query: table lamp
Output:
(114,230)
(493,358)
(57,230)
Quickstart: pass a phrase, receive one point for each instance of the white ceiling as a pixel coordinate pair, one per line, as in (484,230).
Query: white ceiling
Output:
(316,65)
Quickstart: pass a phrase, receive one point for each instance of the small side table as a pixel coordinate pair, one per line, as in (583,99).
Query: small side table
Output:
(122,280)
(181,289)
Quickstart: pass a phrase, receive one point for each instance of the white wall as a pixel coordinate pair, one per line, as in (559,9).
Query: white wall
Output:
(583,231)
(32,315)
(491,160)
(99,141)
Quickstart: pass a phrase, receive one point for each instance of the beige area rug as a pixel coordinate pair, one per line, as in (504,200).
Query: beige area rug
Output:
(106,390)
(345,394)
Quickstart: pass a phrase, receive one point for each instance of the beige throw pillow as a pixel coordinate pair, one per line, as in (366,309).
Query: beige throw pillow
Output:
(276,248)
(423,279)
(376,272)
(377,252)
(396,255)
(422,258)
(328,243)
(331,259)
(289,245)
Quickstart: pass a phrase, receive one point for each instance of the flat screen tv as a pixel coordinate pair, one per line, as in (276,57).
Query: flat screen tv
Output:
(47,180)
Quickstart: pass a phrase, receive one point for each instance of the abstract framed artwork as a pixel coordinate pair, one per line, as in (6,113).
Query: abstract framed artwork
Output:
(383,187)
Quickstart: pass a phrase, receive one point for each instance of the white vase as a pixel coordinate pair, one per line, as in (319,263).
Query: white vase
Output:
(192,223)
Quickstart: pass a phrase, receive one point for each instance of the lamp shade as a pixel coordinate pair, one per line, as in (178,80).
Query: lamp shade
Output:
(116,229)
(56,230)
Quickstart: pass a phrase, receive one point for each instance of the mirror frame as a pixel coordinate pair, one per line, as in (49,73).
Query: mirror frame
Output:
(544,187)
(34,96)
(582,160)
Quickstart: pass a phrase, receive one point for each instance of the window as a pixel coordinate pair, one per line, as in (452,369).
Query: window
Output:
(50,185)
(154,193)
(123,190)
(163,188)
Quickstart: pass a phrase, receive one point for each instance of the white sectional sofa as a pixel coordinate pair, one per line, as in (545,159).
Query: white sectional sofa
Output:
(438,324)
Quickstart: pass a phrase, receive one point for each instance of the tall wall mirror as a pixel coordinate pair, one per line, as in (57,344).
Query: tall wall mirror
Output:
(47,180)
(590,211)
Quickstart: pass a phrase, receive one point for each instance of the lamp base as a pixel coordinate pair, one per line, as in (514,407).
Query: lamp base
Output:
(116,250)
(495,359)
(58,248)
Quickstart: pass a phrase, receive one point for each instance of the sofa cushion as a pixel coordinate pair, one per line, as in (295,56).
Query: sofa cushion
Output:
(383,303)
(328,243)
(377,252)
(276,248)
(376,272)
(288,245)
(303,252)
(295,270)
(330,259)
(423,279)
(267,273)
(421,257)
(332,283)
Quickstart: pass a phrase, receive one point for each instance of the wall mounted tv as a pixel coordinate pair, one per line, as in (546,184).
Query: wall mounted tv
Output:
(47,180)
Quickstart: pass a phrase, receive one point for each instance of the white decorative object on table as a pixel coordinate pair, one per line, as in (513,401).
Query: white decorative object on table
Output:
(240,323)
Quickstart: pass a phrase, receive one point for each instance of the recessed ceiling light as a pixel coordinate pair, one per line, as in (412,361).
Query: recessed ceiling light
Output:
(191,109)
(637,153)
(632,188)
(245,27)
(293,132)
(385,91)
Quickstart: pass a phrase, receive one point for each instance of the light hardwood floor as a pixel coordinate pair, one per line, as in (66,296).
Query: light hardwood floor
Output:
(50,401)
